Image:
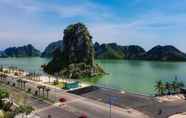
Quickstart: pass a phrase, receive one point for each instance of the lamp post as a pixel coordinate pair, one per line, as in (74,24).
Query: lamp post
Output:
(111,100)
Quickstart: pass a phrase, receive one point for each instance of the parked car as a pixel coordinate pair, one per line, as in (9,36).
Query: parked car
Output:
(83,116)
(62,100)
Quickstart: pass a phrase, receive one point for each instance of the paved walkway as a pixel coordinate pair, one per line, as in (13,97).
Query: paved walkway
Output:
(76,105)
(146,104)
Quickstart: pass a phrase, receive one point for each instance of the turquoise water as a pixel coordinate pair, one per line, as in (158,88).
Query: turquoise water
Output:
(133,76)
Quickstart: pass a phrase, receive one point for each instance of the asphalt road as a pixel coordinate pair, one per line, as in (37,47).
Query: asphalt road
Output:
(75,105)
(146,104)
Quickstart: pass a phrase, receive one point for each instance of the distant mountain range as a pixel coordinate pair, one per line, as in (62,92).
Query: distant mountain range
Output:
(23,51)
(51,48)
(104,51)
(131,52)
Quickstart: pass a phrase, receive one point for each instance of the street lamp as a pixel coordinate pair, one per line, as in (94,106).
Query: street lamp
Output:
(111,100)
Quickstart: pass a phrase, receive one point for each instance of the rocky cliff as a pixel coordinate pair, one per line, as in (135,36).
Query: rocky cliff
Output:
(77,58)
(78,46)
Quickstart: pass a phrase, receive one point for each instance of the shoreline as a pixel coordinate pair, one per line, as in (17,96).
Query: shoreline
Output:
(75,99)
(148,60)
(124,100)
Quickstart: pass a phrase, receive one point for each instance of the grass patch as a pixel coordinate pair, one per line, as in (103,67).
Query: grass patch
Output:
(60,85)
(91,80)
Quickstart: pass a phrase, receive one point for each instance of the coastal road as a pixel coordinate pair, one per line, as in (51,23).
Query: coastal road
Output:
(146,104)
(77,105)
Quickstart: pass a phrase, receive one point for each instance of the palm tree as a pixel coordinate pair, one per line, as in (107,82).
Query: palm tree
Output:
(24,84)
(47,91)
(160,87)
(18,82)
(1,68)
(43,87)
(49,79)
(1,76)
(175,85)
(180,86)
(39,88)
(168,87)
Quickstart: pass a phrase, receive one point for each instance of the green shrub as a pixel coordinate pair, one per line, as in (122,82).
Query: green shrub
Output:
(29,90)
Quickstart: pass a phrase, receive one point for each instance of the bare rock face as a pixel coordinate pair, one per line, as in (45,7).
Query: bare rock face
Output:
(78,47)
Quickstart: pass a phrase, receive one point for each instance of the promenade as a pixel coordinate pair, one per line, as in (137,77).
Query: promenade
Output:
(94,102)
(75,105)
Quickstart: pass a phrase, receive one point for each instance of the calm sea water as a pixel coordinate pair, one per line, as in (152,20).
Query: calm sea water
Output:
(133,76)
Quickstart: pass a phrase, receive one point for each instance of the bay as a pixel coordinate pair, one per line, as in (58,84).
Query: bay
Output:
(132,76)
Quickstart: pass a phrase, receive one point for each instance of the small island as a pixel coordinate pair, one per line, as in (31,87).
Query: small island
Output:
(22,51)
(77,58)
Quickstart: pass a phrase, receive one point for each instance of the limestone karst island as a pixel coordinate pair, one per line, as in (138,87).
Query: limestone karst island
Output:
(76,59)
(92,59)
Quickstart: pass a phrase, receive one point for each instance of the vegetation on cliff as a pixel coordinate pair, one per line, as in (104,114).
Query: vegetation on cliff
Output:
(77,58)
(134,52)
(51,48)
(109,51)
(8,109)
(165,53)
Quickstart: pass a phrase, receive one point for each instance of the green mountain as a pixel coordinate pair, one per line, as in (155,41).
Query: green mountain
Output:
(131,52)
(165,53)
(48,52)
(24,51)
(108,51)
(2,54)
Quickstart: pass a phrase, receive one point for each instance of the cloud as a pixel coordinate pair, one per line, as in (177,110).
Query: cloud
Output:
(147,31)
(64,10)
(38,39)
(39,23)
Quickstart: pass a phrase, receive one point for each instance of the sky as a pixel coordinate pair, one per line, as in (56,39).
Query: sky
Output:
(127,22)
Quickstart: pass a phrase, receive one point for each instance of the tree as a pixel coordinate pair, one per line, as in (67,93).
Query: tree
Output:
(43,88)
(18,82)
(6,107)
(56,64)
(39,88)
(175,85)
(47,91)
(24,109)
(180,86)
(3,94)
(24,84)
(1,68)
(160,87)
(168,87)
